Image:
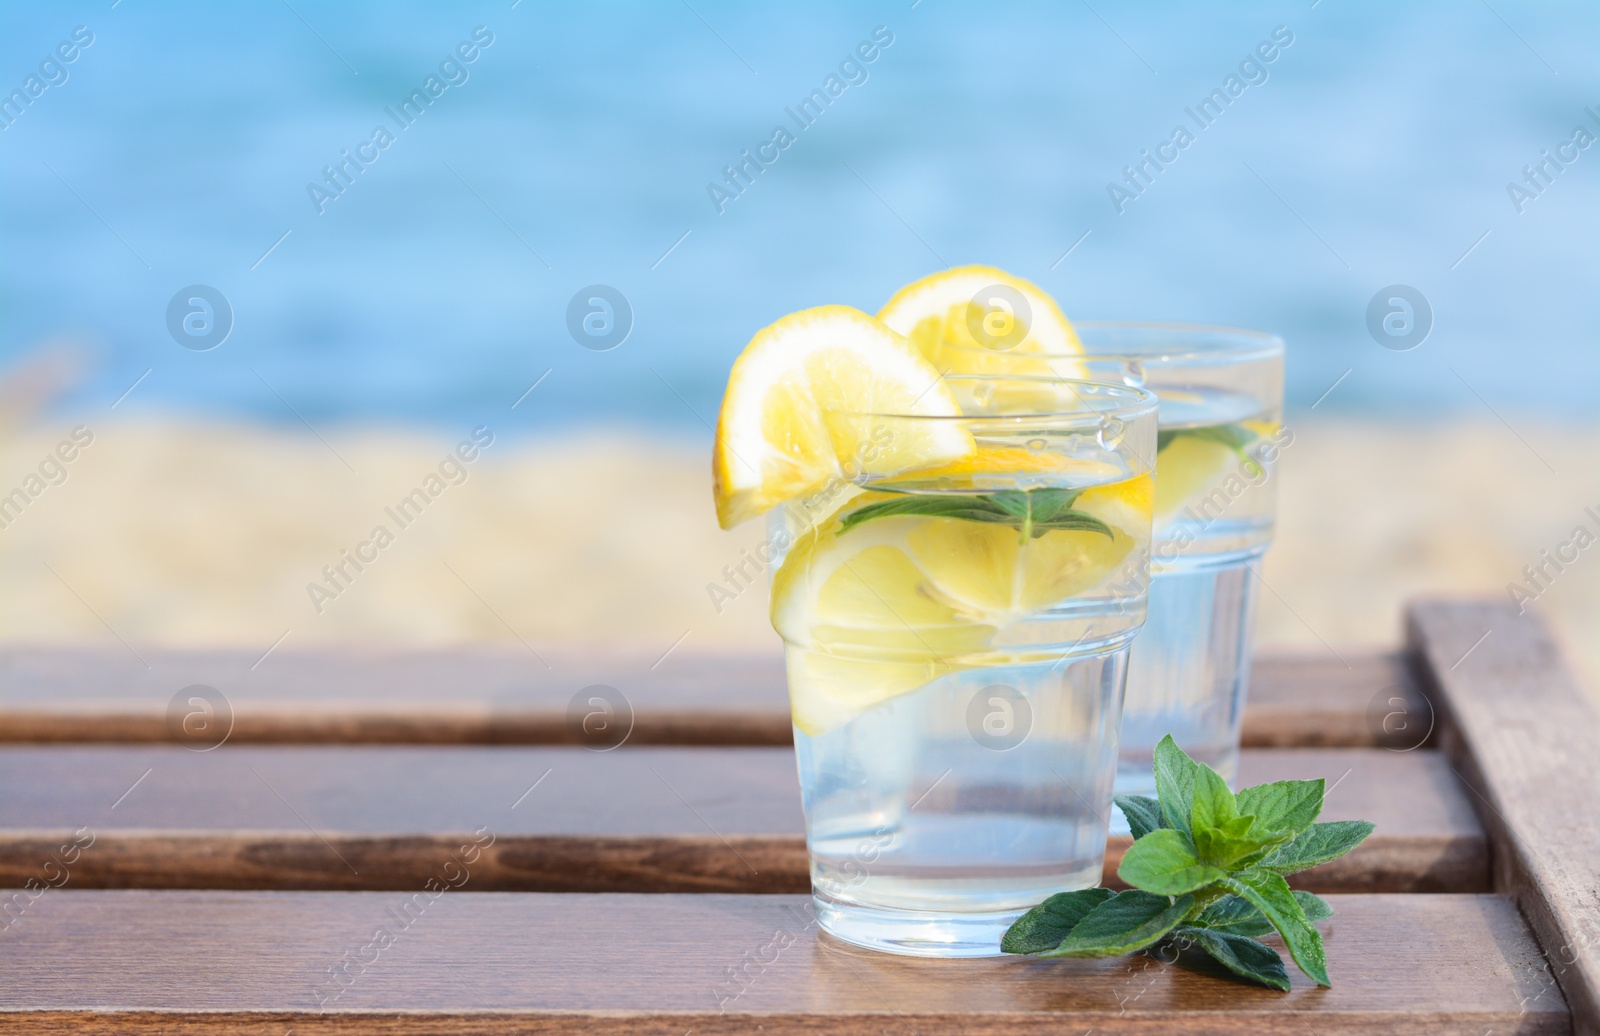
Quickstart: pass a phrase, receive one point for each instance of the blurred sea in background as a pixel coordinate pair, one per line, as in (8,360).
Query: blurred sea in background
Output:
(580,144)
(576,149)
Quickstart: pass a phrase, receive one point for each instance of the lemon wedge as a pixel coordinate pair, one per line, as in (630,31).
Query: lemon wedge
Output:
(782,432)
(1185,469)
(1191,465)
(982,320)
(1122,505)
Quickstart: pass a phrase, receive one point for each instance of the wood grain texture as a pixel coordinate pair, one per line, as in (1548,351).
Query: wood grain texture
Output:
(1319,699)
(491,696)
(477,695)
(1525,738)
(204,962)
(633,819)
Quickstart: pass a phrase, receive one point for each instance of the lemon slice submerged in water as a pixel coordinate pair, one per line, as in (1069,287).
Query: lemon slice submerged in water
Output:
(897,601)
(1187,466)
(1192,464)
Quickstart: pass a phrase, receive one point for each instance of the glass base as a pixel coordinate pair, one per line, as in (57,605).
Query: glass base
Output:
(935,818)
(915,933)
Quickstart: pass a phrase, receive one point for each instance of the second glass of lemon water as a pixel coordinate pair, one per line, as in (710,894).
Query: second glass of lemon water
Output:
(1221,393)
(956,642)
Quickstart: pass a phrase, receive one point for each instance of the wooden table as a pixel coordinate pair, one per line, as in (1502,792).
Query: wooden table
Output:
(436,843)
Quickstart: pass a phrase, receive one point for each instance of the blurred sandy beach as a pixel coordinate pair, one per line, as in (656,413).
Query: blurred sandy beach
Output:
(179,533)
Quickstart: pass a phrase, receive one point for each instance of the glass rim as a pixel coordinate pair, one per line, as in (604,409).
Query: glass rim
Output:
(1246,344)
(1131,402)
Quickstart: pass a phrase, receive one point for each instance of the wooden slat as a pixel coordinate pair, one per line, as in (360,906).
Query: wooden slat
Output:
(477,695)
(1354,700)
(490,696)
(633,819)
(1526,738)
(204,962)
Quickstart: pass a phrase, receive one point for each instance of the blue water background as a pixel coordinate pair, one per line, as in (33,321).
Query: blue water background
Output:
(1377,152)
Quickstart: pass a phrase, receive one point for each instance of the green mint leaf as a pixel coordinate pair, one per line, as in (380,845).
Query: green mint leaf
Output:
(1050,502)
(1034,511)
(1231,846)
(1282,809)
(1077,521)
(969,508)
(1317,844)
(1233,436)
(1043,927)
(1316,908)
(1199,843)
(1175,774)
(1039,504)
(1239,954)
(1038,510)
(1271,895)
(1162,862)
(1019,505)
(1214,820)
(1127,922)
(1237,916)
(1143,813)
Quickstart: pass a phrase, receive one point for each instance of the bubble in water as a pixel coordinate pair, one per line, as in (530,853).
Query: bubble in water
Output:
(1037,445)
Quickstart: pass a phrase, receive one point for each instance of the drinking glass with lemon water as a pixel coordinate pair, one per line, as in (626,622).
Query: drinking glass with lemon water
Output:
(956,621)
(1221,433)
(1221,393)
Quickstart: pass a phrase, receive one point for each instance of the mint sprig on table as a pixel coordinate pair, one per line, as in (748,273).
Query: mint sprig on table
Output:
(1033,511)
(1206,871)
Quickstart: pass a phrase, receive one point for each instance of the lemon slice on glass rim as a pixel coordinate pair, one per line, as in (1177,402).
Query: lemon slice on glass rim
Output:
(784,430)
(982,320)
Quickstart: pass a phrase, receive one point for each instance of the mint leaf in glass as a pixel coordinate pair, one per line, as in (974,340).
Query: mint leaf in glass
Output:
(1033,512)
(967,508)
